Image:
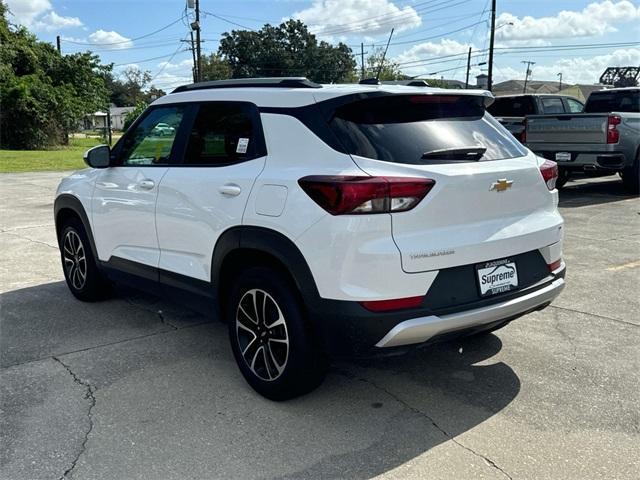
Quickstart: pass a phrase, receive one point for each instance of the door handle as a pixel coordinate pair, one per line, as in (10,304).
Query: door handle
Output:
(146,184)
(230,190)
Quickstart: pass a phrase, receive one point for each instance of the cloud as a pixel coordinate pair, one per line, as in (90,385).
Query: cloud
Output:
(109,40)
(415,60)
(357,17)
(595,19)
(586,70)
(52,21)
(39,15)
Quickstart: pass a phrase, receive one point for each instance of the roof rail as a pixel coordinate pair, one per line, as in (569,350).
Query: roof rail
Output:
(267,82)
(408,83)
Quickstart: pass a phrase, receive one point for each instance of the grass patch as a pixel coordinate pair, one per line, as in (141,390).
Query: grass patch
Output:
(57,158)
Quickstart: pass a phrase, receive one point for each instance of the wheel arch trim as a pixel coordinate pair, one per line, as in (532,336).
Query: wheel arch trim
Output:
(266,241)
(73,203)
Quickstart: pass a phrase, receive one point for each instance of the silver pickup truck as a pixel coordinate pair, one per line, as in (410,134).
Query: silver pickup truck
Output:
(605,139)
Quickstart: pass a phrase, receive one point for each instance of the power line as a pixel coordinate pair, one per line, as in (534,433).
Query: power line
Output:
(394,18)
(126,41)
(220,17)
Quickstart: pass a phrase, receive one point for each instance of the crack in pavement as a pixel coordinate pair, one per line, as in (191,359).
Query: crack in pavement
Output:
(108,344)
(417,411)
(89,395)
(163,320)
(29,239)
(595,315)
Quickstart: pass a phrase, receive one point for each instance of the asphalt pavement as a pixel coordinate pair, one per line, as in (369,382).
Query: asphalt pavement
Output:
(138,388)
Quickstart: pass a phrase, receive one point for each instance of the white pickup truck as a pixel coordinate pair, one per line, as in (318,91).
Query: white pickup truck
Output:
(605,139)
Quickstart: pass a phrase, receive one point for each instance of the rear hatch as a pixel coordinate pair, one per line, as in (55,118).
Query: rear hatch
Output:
(489,200)
(567,129)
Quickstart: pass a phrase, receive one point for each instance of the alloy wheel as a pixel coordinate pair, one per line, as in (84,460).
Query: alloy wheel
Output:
(75,260)
(262,334)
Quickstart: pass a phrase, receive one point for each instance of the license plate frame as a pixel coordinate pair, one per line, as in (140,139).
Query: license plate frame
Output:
(497,276)
(563,157)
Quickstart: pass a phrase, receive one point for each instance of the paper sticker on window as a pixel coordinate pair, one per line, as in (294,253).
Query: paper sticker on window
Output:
(243,143)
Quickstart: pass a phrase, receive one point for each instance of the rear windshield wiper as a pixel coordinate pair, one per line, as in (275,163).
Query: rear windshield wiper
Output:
(464,154)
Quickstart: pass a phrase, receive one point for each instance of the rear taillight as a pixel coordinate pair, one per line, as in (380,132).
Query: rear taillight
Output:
(343,195)
(523,134)
(555,265)
(549,171)
(613,135)
(390,305)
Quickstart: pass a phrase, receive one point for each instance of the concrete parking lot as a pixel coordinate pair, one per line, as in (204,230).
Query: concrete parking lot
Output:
(137,388)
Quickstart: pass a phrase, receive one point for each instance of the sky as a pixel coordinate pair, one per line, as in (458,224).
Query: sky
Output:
(578,39)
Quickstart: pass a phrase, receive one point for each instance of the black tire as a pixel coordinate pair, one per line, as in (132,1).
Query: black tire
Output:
(563,178)
(631,177)
(81,272)
(275,370)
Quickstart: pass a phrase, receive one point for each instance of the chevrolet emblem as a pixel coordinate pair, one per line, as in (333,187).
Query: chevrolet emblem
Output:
(501,185)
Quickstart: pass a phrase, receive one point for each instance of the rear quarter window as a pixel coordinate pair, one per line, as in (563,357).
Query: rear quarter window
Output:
(403,128)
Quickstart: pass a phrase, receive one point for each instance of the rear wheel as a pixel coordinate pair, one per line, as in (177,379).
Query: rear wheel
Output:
(270,337)
(631,177)
(81,272)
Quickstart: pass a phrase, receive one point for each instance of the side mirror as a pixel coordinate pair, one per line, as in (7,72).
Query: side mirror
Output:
(98,157)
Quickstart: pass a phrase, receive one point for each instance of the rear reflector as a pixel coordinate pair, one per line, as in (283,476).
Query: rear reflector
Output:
(347,195)
(549,171)
(389,305)
(555,265)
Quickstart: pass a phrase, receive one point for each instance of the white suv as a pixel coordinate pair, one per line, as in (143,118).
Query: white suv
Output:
(320,220)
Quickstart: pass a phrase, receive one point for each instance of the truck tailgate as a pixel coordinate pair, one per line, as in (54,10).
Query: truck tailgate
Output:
(567,129)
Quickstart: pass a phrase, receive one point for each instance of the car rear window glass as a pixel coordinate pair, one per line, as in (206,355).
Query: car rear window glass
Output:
(620,101)
(403,128)
(512,107)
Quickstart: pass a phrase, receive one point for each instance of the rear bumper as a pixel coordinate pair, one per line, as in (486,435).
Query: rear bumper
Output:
(346,329)
(588,160)
(419,330)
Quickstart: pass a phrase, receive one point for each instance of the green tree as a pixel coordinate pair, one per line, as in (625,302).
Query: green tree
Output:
(133,115)
(44,95)
(214,67)
(390,70)
(286,50)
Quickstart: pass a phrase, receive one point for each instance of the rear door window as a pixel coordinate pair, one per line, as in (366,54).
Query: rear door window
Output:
(552,105)
(224,133)
(412,129)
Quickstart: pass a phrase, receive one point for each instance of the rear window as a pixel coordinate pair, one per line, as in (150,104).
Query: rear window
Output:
(512,107)
(404,128)
(620,101)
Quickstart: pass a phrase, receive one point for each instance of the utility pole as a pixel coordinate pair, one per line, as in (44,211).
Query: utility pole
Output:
(198,51)
(560,82)
(361,61)
(466,83)
(58,44)
(491,41)
(527,73)
(384,55)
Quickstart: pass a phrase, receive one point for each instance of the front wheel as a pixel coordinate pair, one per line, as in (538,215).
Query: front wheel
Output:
(271,339)
(81,272)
